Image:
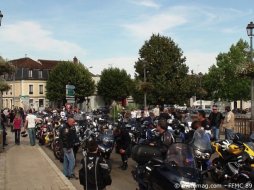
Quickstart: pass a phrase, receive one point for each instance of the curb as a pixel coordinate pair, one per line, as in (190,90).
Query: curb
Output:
(56,169)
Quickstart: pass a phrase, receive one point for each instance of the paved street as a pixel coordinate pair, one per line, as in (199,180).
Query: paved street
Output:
(120,179)
(25,167)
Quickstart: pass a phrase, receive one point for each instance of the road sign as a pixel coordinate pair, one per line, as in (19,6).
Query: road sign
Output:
(70,93)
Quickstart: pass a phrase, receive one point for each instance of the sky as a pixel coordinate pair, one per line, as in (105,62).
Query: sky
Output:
(109,33)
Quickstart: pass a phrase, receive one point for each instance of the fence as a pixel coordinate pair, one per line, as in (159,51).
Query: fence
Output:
(242,125)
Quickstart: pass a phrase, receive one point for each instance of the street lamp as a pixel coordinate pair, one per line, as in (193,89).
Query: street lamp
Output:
(1,16)
(145,84)
(249,29)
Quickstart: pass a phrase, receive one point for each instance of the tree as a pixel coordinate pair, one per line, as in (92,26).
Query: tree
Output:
(223,81)
(5,68)
(69,73)
(166,72)
(114,84)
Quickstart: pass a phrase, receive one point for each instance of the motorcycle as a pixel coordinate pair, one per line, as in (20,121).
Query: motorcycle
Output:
(235,164)
(106,142)
(57,147)
(202,150)
(177,171)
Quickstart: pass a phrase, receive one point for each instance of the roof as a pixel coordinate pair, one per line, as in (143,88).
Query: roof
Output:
(48,64)
(27,62)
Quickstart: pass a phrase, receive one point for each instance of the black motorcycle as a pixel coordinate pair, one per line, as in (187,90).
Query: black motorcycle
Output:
(106,142)
(177,171)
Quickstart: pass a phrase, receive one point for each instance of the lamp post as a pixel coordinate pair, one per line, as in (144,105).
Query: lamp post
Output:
(1,101)
(1,16)
(145,84)
(250,33)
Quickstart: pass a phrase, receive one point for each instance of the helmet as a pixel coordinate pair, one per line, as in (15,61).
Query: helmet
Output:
(23,134)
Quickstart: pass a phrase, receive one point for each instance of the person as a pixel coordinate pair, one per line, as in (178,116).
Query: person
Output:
(17,123)
(11,117)
(200,139)
(95,172)
(156,111)
(67,138)
(3,124)
(30,122)
(165,114)
(165,137)
(215,118)
(229,123)
(123,142)
(204,122)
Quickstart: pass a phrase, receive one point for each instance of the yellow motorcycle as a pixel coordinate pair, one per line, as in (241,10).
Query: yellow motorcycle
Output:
(235,162)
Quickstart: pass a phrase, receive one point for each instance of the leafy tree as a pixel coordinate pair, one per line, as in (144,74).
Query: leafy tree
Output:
(5,68)
(114,84)
(69,73)
(166,72)
(223,81)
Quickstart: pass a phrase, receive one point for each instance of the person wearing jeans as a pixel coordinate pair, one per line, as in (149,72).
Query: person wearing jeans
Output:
(17,122)
(67,138)
(215,118)
(30,122)
(69,162)
(229,123)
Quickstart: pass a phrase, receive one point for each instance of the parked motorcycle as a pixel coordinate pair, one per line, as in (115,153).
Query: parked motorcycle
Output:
(177,171)
(106,142)
(235,163)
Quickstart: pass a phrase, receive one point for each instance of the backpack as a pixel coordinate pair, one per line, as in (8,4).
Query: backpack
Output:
(93,174)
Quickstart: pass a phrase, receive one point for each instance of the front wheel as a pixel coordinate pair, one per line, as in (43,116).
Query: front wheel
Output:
(218,171)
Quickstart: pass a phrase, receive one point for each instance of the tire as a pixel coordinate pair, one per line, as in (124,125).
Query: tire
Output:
(218,166)
(57,150)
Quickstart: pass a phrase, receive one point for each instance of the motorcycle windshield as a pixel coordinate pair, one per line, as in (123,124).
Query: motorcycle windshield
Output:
(201,141)
(181,155)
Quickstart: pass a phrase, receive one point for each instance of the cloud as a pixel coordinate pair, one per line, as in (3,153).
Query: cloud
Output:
(200,61)
(30,37)
(147,3)
(126,63)
(159,23)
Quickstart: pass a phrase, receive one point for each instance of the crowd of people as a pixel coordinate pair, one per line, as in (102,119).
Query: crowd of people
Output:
(93,163)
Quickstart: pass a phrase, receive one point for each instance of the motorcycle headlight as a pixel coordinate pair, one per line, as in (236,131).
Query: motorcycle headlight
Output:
(206,156)
(187,185)
(105,140)
(198,154)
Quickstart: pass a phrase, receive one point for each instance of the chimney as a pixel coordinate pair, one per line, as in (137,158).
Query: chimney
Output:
(75,60)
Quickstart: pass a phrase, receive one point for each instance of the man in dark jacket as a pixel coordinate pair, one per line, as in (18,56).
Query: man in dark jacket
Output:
(123,143)
(216,119)
(67,137)
(95,171)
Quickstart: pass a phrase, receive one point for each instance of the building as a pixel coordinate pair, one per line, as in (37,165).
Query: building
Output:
(28,85)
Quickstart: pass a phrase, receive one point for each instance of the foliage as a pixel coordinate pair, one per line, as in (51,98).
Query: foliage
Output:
(5,68)
(222,80)
(114,84)
(69,73)
(166,72)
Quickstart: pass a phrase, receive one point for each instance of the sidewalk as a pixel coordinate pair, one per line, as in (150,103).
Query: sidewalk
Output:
(25,167)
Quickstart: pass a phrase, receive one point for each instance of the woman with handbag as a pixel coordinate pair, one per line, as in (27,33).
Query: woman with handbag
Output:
(17,122)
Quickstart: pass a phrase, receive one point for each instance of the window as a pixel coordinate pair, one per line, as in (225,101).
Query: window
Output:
(41,89)
(11,90)
(40,74)
(30,73)
(31,89)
